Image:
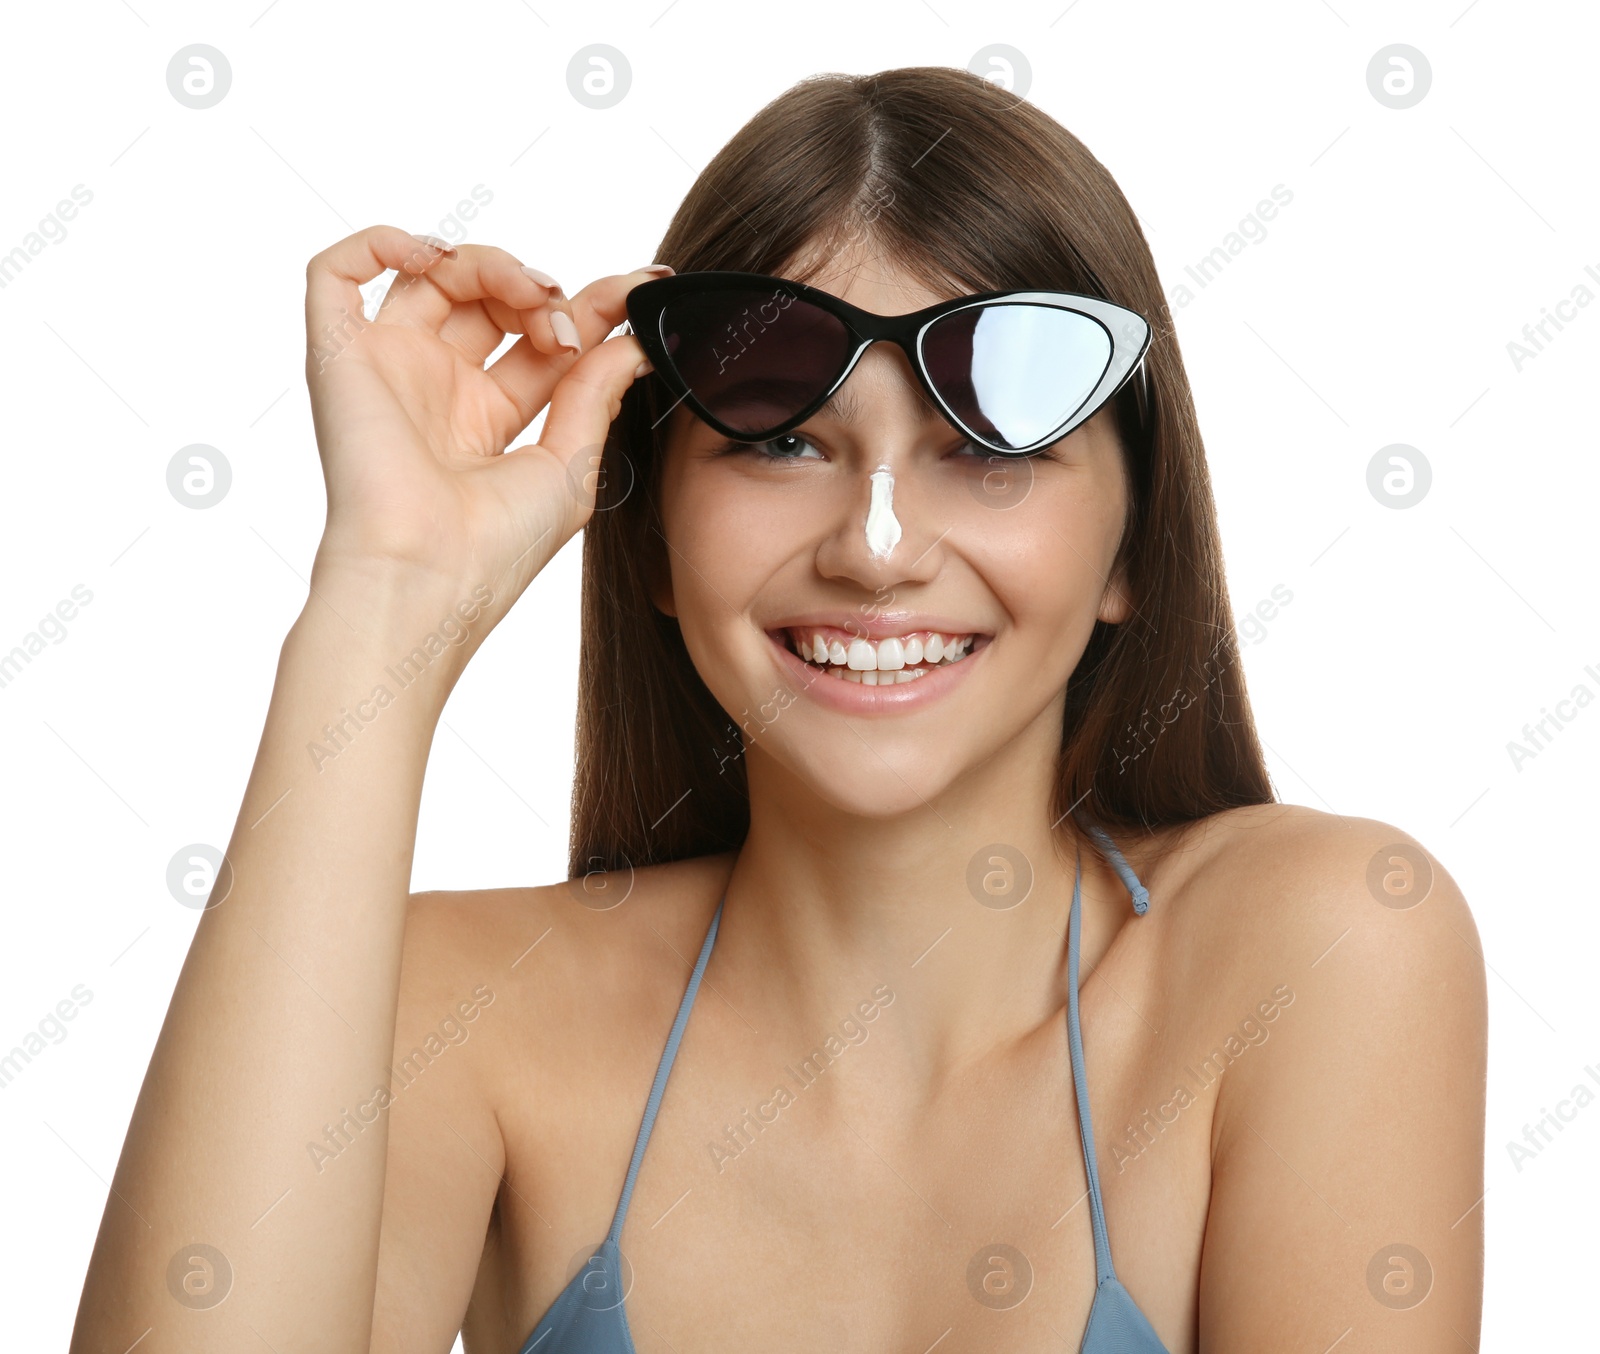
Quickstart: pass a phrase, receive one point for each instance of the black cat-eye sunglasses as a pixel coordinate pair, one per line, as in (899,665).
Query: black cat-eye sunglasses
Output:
(755,356)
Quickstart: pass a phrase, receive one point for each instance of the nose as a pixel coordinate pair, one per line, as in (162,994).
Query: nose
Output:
(884,530)
(883,527)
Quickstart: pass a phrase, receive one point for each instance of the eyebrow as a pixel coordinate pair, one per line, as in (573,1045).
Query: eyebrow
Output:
(845,406)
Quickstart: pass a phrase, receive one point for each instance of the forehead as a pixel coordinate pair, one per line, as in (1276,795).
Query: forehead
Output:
(867,278)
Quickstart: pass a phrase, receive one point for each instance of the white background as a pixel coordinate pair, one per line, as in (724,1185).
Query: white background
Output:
(1377,310)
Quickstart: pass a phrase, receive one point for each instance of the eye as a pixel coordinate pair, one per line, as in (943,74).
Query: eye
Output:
(1052,452)
(787,448)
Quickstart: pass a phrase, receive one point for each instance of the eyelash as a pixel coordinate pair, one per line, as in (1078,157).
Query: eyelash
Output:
(753,449)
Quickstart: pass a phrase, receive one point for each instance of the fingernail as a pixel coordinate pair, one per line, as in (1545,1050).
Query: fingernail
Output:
(443,246)
(643,369)
(543,279)
(659,269)
(565,331)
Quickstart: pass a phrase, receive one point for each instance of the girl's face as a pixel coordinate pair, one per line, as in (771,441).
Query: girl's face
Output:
(874,522)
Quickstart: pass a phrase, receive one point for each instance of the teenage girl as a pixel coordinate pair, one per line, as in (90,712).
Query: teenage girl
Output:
(931,918)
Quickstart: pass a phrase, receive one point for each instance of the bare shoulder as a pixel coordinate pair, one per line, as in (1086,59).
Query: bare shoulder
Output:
(567,949)
(1344,950)
(445,927)
(1282,895)
(1285,884)
(506,995)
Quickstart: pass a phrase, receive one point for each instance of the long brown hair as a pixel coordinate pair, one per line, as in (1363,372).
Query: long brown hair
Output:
(969,188)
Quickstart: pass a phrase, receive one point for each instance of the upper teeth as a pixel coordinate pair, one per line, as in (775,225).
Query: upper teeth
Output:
(887,655)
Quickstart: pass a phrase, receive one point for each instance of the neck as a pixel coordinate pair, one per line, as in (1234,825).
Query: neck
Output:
(959,906)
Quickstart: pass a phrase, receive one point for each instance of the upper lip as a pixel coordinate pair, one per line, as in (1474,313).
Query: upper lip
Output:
(882,625)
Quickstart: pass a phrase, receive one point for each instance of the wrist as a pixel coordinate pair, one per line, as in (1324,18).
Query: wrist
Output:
(400,626)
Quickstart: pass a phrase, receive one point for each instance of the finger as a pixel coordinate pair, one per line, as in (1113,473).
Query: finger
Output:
(583,405)
(471,274)
(602,305)
(334,277)
(477,328)
(486,323)
(474,300)
(529,370)
(526,377)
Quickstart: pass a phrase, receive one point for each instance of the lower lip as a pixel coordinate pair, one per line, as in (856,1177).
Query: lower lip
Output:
(856,698)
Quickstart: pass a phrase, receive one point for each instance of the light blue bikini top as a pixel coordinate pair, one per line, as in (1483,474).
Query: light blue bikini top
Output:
(590,1317)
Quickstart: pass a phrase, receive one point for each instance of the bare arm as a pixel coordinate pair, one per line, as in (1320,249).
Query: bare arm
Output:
(1347,1190)
(235,1220)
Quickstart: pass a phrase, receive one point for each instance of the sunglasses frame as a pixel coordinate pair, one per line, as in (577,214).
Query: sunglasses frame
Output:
(1128,331)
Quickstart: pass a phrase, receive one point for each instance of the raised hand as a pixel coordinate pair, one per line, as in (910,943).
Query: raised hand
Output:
(413,429)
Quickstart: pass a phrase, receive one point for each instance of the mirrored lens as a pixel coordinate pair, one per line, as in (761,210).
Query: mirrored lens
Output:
(755,358)
(1015,372)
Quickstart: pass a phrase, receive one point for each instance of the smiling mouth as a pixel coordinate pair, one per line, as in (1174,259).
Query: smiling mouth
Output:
(892,661)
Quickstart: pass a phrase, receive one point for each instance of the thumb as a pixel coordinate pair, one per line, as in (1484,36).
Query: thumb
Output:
(585,401)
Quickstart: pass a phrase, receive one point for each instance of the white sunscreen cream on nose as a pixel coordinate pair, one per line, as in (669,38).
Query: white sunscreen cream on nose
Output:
(883,528)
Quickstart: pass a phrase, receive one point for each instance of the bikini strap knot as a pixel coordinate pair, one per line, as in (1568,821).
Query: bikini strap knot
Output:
(1119,863)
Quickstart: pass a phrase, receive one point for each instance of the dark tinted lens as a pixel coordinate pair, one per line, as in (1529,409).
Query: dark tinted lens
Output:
(1015,372)
(754,358)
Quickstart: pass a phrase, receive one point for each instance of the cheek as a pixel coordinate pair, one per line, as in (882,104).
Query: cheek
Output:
(1048,561)
(720,554)
(722,543)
